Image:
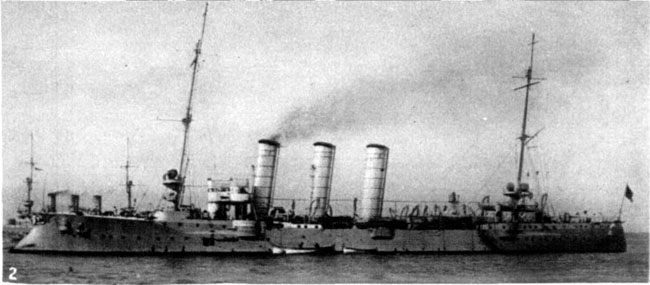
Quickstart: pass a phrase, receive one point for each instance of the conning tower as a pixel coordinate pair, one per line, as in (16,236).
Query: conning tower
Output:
(374,182)
(264,181)
(322,170)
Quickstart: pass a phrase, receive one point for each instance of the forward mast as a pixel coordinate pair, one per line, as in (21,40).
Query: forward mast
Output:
(30,180)
(175,180)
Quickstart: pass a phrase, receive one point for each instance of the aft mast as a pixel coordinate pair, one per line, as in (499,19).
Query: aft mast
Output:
(175,180)
(522,188)
(128,182)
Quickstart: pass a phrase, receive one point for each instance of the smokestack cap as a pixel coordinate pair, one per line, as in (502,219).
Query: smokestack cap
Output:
(269,142)
(376,146)
(324,144)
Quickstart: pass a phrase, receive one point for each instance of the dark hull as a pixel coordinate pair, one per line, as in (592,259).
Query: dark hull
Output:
(65,233)
(554,237)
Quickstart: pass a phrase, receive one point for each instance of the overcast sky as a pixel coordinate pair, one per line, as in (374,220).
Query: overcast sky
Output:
(432,81)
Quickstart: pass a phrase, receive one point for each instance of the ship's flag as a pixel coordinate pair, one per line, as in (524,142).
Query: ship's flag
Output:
(628,193)
(38,169)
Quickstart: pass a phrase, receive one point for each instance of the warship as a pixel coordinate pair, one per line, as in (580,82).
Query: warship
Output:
(16,228)
(240,217)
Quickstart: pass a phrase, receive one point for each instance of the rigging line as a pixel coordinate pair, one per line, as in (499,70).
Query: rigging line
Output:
(542,169)
(140,201)
(544,178)
(503,160)
(535,171)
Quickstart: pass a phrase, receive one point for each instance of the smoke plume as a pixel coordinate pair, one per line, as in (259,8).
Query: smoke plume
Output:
(436,92)
(365,103)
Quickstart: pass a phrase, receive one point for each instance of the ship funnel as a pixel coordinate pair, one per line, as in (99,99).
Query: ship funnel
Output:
(374,181)
(322,171)
(213,198)
(264,181)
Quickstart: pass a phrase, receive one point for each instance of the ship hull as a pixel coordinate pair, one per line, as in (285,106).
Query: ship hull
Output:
(67,233)
(367,240)
(94,234)
(554,237)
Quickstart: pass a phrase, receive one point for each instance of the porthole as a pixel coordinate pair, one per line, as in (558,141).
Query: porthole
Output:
(197,225)
(157,238)
(208,241)
(180,224)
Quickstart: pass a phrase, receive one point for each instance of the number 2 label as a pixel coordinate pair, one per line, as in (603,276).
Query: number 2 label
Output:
(13,272)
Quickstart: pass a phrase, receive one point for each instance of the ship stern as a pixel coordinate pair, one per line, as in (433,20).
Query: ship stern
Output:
(616,236)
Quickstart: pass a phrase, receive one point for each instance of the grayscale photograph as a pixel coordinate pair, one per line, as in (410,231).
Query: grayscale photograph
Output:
(325,142)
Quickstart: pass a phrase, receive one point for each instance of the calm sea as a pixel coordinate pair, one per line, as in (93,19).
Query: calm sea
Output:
(631,266)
